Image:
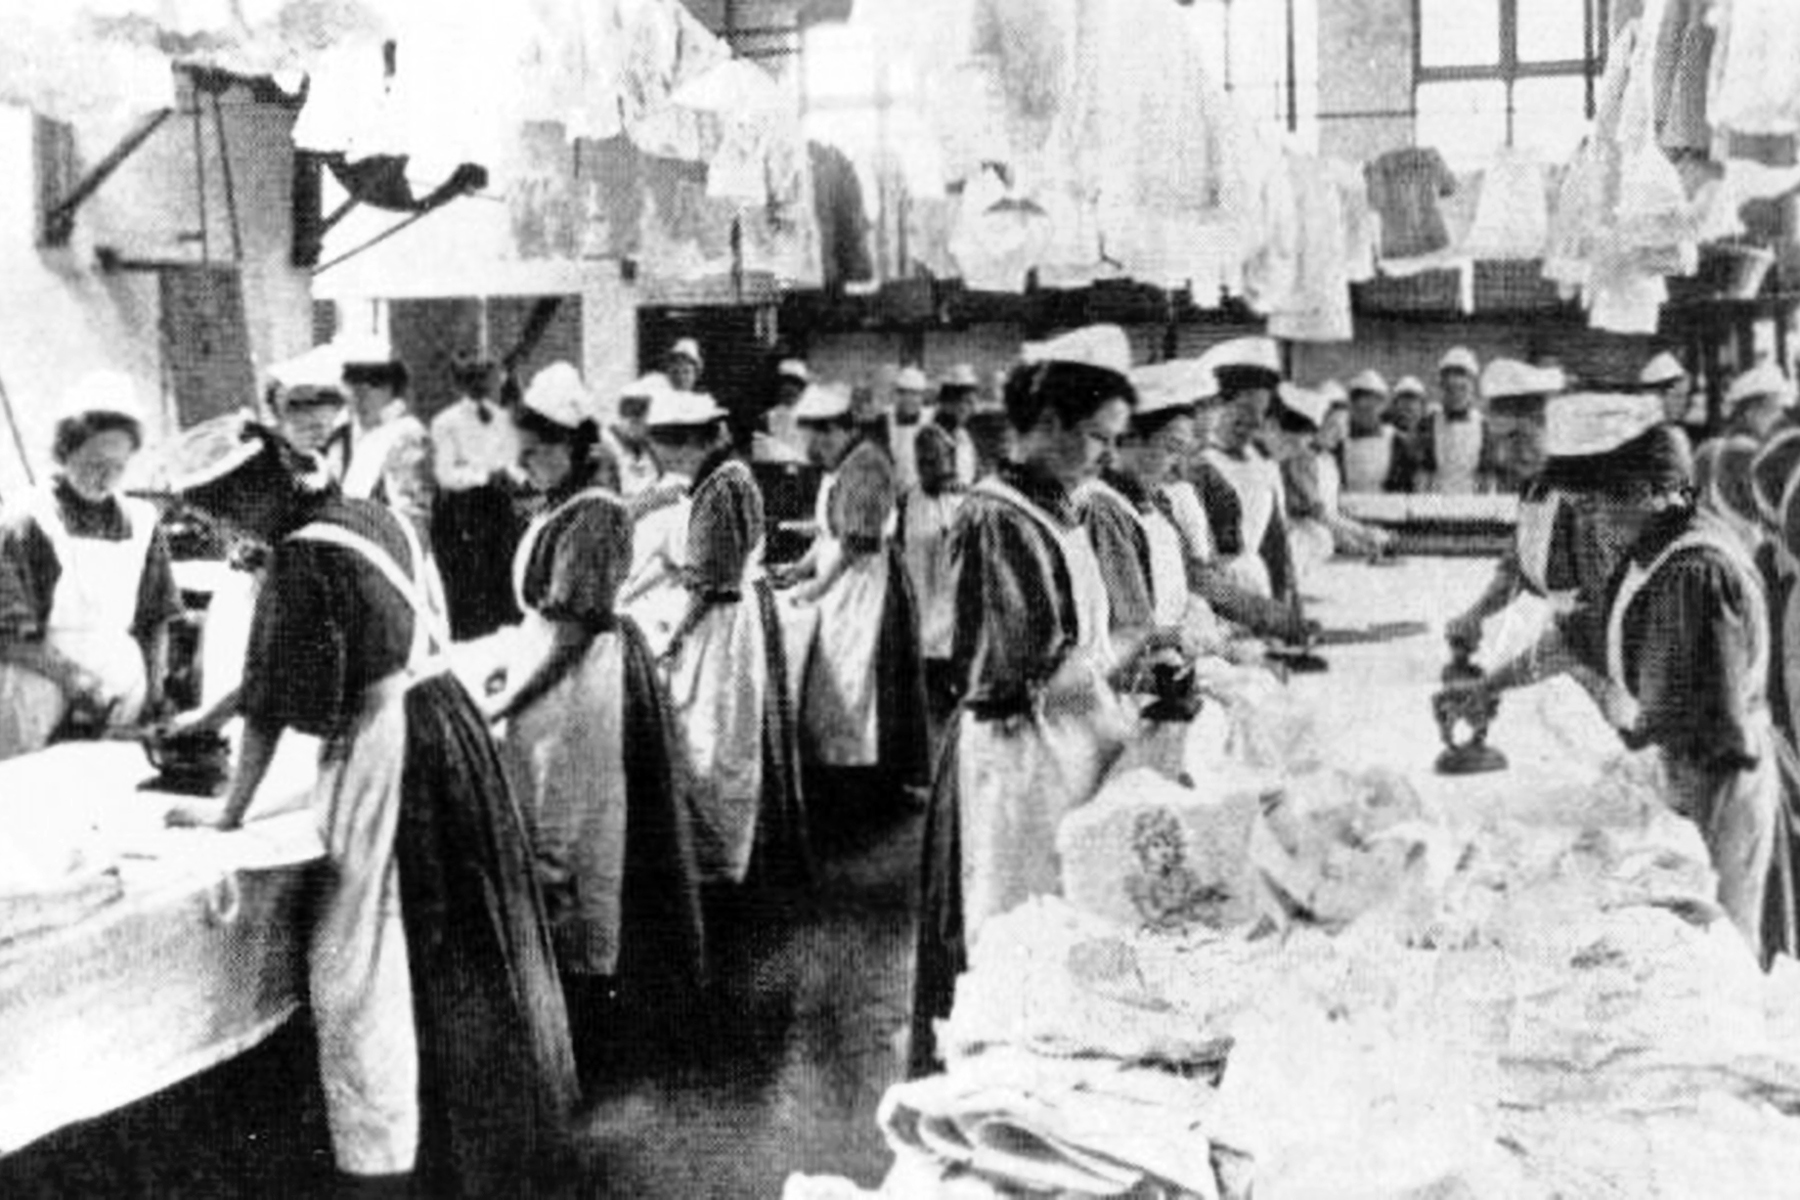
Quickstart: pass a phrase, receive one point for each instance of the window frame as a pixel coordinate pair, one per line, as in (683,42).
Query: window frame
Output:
(1509,69)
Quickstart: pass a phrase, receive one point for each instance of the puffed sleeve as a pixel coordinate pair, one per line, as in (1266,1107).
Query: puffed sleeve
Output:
(1693,650)
(28,574)
(1224,512)
(587,563)
(296,671)
(1012,620)
(1120,546)
(723,528)
(863,500)
(1300,480)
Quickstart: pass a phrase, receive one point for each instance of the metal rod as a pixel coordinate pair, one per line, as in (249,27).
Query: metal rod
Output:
(18,437)
(1293,74)
(59,222)
(231,209)
(200,184)
(373,242)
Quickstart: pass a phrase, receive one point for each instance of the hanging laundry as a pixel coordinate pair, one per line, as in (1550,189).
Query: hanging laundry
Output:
(1362,225)
(1317,309)
(1684,49)
(1753,87)
(997,237)
(1404,187)
(1512,215)
(843,221)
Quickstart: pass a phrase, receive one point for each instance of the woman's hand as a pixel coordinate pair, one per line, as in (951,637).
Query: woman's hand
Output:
(199,814)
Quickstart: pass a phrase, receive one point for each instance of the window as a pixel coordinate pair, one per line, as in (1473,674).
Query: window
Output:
(1490,74)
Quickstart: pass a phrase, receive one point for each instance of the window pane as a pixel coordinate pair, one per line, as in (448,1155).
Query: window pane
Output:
(1465,122)
(1549,116)
(1460,33)
(1550,30)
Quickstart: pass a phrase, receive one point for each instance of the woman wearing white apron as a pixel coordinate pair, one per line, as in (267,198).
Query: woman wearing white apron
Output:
(1041,723)
(1240,487)
(945,463)
(1453,437)
(588,746)
(86,589)
(1756,403)
(726,663)
(862,708)
(1681,634)
(1375,456)
(443,1040)
(1338,533)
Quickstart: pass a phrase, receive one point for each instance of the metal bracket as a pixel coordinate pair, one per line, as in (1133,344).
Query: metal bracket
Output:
(59,222)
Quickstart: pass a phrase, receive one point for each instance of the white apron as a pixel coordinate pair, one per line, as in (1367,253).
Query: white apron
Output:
(658,581)
(638,472)
(904,439)
(1738,824)
(839,703)
(927,554)
(1457,445)
(1533,541)
(1257,484)
(91,614)
(359,979)
(719,691)
(1190,519)
(1369,460)
(1713,502)
(565,759)
(1018,778)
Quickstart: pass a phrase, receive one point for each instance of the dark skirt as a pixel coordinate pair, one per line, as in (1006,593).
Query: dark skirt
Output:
(942,954)
(901,720)
(474,534)
(781,860)
(496,1072)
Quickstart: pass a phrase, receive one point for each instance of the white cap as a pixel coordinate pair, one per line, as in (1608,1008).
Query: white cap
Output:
(1583,423)
(1260,353)
(1334,393)
(558,395)
(910,379)
(670,408)
(689,349)
(321,368)
(1409,385)
(1505,377)
(793,368)
(1172,384)
(1664,368)
(823,402)
(1460,358)
(1305,403)
(103,391)
(1370,380)
(362,348)
(962,375)
(646,387)
(1103,346)
(1764,379)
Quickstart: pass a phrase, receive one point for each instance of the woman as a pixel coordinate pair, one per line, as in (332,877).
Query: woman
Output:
(725,661)
(1240,487)
(588,745)
(443,1040)
(474,525)
(86,589)
(1680,633)
(1040,722)
(863,705)
(1313,483)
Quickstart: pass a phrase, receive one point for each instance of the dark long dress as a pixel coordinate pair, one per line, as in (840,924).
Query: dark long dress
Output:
(496,1073)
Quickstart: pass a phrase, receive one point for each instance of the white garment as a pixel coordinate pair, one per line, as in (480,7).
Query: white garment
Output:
(927,554)
(374,453)
(1257,483)
(1190,519)
(1368,460)
(359,980)
(1457,445)
(659,558)
(1534,539)
(638,469)
(1018,778)
(1512,218)
(839,705)
(467,451)
(1754,88)
(91,614)
(901,440)
(564,755)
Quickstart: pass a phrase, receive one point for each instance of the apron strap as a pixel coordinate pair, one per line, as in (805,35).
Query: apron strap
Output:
(431,627)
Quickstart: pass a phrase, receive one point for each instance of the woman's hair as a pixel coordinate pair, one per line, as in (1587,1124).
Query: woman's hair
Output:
(1289,421)
(73,432)
(1145,426)
(580,440)
(1073,391)
(391,375)
(1655,463)
(473,376)
(686,435)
